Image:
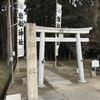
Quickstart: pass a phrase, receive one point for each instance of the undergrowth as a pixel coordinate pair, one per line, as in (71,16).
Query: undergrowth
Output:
(4,75)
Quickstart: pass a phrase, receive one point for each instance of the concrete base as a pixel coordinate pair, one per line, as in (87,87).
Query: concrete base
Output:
(82,81)
(92,73)
(41,86)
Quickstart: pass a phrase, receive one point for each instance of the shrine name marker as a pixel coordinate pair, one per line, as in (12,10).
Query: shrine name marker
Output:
(31,53)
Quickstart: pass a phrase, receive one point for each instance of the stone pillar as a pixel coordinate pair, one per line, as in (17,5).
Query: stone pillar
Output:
(41,60)
(32,87)
(80,59)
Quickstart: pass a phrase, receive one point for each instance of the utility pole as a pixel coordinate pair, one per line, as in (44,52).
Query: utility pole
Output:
(10,34)
(55,37)
(12,24)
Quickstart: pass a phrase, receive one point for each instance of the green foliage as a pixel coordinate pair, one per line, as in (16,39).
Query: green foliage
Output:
(4,75)
(75,14)
(42,12)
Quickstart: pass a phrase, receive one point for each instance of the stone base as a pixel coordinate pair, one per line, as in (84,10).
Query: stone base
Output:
(82,81)
(41,86)
(92,73)
(26,98)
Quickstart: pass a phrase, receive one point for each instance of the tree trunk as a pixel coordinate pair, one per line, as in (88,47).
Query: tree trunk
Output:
(96,35)
(69,54)
(2,38)
(4,34)
(96,13)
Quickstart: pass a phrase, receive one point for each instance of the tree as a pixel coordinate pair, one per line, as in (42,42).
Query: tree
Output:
(3,33)
(4,28)
(76,14)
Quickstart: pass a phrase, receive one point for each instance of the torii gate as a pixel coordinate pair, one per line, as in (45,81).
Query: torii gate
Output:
(77,39)
(31,39)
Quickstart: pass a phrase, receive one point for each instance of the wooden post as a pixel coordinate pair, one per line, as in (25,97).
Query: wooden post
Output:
(32,87)
(55,64)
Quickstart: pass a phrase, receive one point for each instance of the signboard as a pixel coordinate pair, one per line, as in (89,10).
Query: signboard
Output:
(13,97)
(58,23)
(95,63)
(20,28)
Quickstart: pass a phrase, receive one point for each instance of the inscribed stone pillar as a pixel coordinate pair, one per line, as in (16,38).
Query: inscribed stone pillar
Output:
(32,87)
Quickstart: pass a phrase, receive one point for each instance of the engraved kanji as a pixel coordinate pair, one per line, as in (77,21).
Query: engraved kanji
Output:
(31,57)
(31,44)
(32,70)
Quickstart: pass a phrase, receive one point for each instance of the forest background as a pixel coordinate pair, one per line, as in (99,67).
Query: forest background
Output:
(75,14)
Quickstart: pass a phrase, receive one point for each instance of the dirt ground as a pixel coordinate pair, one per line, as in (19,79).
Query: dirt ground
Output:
(71,74)
(64,71)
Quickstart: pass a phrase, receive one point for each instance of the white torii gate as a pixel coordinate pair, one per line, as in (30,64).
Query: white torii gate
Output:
(31,30)
(78,40)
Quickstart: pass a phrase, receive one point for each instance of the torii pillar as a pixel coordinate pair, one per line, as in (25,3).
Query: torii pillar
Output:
(80,59)
(41,60)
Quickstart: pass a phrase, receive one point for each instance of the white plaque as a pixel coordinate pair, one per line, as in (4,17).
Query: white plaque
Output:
(95,63)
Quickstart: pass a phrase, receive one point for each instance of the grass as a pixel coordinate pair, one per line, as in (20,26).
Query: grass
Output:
(4,75)
(87,63)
